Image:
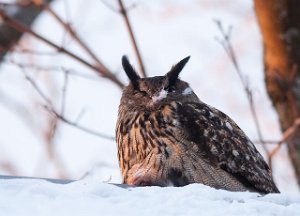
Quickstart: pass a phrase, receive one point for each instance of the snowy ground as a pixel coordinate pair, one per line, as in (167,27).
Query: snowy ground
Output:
(166,32)
(89,197)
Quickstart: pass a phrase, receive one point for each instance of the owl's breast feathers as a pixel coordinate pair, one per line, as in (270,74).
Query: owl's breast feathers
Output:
(145,134)
(184,143)
(224,145)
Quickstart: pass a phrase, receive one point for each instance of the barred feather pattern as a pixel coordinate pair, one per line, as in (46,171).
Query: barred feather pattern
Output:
(175,146)
(166,136)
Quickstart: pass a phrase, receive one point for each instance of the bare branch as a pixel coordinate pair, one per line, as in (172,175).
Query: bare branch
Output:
(49,107)
(35,86)
(22,28)
(49,68)
(226,43)
(118,11)
(49,136)
(76,125)
(64,92)
(123,12)
(269,142)
(33,52)
(80,115)
(74,35)
(285,136)
(109,6)
(27,14)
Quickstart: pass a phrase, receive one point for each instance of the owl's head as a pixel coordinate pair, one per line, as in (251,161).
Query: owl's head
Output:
(148,94)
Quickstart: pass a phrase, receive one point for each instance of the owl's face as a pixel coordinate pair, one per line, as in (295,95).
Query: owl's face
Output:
(149,94)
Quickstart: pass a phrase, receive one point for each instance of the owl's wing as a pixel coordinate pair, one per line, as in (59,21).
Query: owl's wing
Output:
(221,141)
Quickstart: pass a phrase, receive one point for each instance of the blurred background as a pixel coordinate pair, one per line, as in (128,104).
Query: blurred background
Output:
(62,81)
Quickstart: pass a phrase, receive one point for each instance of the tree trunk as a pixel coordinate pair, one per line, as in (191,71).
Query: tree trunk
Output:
(24,14)
(279,22)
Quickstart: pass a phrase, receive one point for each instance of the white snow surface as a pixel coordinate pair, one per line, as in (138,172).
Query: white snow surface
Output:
(90,197)
(166,31)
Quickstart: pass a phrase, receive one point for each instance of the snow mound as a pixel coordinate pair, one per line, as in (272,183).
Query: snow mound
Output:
(89,198)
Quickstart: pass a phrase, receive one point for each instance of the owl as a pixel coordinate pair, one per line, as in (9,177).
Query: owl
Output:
(166,136)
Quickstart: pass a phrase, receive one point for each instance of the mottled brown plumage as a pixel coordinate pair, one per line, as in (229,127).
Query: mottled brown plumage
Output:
(167,136)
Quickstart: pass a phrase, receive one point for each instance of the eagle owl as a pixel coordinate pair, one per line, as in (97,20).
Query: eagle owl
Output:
(166,136)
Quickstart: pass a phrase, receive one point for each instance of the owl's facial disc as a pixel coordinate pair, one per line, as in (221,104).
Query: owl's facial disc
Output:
(151,93)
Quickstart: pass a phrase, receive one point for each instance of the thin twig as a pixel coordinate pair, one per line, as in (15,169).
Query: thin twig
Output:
(76,125)
(17,49)
(123,12)
(50,131)
(49,107)
(49,68)
(80,115)
(118,11)
(37,88)
(269,142)
(22,28)
(49,135)
(64,92)
(109,6)
(285,136)
(225,42)
(17,4)
(75,36)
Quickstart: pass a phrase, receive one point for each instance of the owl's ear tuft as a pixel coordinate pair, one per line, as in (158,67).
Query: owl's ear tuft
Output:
(175,70)
(130,72)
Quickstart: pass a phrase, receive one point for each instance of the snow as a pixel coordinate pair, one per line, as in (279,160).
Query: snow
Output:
(91,197)
(165,31)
